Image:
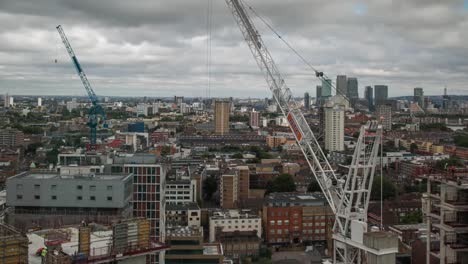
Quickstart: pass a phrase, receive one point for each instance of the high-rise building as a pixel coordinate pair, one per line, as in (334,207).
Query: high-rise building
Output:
(334,128)
(353,91)
(318,95)
(222,111)
(419,96)
(326,88)
(381,94)
(254,119)
(234,186)
(11,100)
(341,85)
(6,101)
(384,114)
(306,101)
(369,95)
(39,102)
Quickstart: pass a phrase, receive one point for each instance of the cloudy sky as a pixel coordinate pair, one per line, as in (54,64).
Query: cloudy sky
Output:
(159,47)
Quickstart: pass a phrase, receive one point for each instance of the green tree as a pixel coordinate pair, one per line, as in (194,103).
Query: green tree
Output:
(210,186)
(52,156)
(283,183)
(237,156)
(461,140)
(413,147)
(446,163)
(314,187)
(414,217)
(389,189)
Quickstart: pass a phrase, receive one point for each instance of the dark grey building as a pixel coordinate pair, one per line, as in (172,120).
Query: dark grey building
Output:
(369,96)
(306,101)
(381,94)
(341,85)
(419,96)
(49,199)
(352,92)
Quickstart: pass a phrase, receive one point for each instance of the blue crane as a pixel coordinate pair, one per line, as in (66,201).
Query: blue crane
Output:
(96,109)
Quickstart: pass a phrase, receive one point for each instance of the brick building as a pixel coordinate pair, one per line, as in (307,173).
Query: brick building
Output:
(297,217)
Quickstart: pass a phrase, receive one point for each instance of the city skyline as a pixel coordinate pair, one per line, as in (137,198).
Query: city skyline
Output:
(150,51)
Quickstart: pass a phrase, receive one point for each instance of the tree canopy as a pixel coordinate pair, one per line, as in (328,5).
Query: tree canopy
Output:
(283,183)
(389,188)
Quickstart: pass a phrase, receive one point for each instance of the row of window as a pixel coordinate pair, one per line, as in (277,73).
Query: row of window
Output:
(54,197)
(54,187)
(235,221)
(177,192)
(178,187)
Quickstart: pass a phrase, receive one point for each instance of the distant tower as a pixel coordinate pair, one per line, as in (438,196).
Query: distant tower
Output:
(446,100)
(318,95)
(254,118)
(6,101)
(384,113)
(381,94)
(369,95)
(39,102)
(341,85)
(353,90)
(222,112)
(306,101)
(326,88)
(419,96)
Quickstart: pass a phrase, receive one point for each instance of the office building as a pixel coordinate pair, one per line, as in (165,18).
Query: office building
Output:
(72,105)
(222,111)
(149,185)
(10,137)
(180,191)
(381,94)
(341,85)
(326,88)
(39,102)
(384,114)
(296,218)
(334,128)
(353,90)
(49,199)
(369,96)
(306,101)
(234,220)
(419,97)
(254,119)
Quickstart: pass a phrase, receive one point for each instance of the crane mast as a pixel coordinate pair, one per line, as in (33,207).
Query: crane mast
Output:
(96,109)
(347,196)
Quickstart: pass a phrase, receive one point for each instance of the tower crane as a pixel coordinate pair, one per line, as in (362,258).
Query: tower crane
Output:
(96,109)
(348,196)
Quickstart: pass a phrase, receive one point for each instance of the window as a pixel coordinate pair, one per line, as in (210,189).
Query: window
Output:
(79,198)
(37,186)
(109,187)
(280,222)
(92,187)
(272,222)
(19,197)
(79,187)
(54,197)
(37,197)
(109,198)
(92,198)
(53,187)
(19,186)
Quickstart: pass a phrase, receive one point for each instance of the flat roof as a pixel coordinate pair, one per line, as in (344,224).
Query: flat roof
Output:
(295,198)
(57,176)
(182,206)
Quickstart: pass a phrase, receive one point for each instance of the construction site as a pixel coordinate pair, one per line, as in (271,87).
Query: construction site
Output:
(126,241)
(13,246)
(446,211)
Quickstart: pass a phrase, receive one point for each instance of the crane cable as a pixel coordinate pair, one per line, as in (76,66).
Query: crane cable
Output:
(322,76)
(209,31)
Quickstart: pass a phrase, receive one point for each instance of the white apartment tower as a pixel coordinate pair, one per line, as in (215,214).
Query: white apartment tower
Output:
(334,128)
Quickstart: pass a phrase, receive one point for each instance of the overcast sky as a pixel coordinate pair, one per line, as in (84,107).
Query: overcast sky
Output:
(159,47)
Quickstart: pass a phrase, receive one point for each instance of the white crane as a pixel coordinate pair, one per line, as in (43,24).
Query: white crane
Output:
(347,196)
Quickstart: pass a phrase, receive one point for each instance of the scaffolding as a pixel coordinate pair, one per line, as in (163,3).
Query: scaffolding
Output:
(13,246)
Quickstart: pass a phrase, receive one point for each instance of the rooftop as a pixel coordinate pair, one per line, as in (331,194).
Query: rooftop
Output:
(295,198)
(232,214)
(53,175)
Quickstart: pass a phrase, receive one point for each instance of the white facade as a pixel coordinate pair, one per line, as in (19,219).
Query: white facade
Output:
(71,105)
(39,102)
(12,100)
(334,128)
(181,191)
(235,220)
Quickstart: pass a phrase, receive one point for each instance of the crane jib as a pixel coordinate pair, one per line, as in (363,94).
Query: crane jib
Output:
(77,64)
(294,126)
